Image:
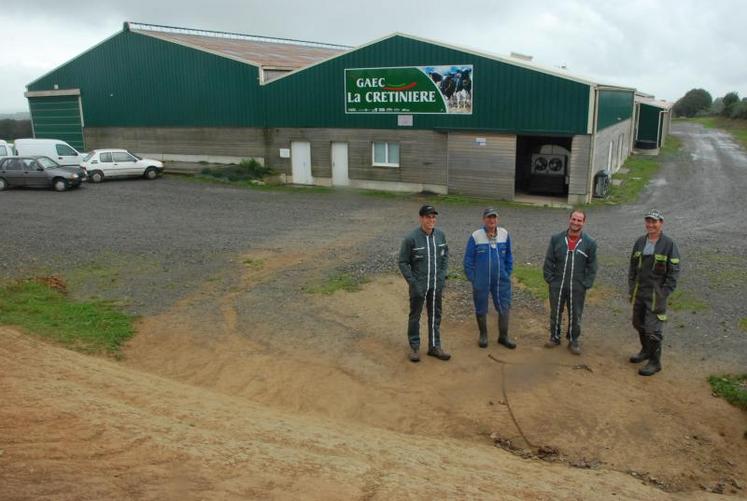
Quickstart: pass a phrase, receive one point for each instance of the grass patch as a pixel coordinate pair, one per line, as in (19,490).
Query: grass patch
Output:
(530,277)
(732,388)
(87,327)
(681,300)
(457,275)
(255,184)
(728,271)
(640,170)
(337,282)
(743,324)
(735,127)
(254,264)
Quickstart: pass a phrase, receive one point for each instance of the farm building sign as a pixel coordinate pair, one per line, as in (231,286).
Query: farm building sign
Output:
(413,89)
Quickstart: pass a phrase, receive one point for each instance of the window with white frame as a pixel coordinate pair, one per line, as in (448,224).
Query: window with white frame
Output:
(385,154)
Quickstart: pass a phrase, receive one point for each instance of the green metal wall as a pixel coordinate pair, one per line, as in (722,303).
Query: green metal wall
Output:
(648,123)
(139,81)
(57,117)
(614,107)
(506,98)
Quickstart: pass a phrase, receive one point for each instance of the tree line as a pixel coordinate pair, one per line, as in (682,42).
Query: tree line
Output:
(11,129)
(698,102)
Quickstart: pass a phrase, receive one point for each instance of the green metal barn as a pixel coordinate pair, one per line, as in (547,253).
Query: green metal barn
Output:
(400,113)
(653,119)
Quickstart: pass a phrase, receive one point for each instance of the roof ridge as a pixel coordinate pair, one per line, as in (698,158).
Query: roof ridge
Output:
(131,25)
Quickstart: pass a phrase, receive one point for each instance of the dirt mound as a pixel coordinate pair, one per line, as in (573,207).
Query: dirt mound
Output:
(595,411)
(77,427)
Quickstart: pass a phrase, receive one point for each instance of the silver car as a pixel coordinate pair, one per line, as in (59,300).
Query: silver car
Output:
(39,172)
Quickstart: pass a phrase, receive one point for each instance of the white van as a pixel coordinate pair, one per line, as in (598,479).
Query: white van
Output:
(57,150)
(6,149)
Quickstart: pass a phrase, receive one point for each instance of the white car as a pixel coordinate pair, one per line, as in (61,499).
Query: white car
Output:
(112,163)
(6,149)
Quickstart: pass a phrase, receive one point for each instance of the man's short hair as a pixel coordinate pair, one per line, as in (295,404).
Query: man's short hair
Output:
(580,211)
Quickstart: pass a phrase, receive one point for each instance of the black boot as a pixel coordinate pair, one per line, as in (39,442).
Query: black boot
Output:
(654,361)
(503,333)
(482,324)
(643,354)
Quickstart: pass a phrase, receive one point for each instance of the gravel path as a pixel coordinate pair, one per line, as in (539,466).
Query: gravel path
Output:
(147,244)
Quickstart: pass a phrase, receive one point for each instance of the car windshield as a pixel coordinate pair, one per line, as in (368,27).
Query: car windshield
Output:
(88,157)
(136,156)
(47,163)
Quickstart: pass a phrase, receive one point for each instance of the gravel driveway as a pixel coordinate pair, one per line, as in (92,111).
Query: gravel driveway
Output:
(148,243)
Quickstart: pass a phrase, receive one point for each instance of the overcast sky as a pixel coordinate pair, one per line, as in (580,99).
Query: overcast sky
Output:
(663,47)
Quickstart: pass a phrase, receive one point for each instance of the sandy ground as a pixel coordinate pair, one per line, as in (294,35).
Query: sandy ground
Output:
(78,427)
(218,398)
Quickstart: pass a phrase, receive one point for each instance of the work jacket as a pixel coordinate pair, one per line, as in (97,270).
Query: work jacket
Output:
(574,270)
(488,267)
(424,261)
(653,278)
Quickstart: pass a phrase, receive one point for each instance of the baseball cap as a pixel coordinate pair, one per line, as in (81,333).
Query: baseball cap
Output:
(654,214)
(427,209)
(490,211)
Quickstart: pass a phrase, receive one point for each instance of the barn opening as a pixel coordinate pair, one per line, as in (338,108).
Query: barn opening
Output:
(542,165)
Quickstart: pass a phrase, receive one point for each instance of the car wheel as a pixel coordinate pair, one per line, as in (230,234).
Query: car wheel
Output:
(59,184)
(96,176)
(3,184)
(151,173)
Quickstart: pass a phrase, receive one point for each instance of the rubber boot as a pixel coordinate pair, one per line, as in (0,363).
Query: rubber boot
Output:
(503,336)
(482,324)
(654,361)
(643,354)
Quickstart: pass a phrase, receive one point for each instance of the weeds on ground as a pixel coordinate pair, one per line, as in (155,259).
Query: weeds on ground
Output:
(743,324)
(437,199)
(640,169)
(254,264)
(255,184)
(247,170)
(457,275)
(731,387)
(530,277)
(681,300)
(728,270)
(336,282)
(87,327)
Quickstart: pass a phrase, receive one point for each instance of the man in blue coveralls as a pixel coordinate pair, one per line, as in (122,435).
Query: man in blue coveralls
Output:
(488,264)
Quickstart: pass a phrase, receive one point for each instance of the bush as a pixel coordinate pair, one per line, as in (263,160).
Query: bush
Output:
(255,170)
(739,110)
(247,170)
(691,103)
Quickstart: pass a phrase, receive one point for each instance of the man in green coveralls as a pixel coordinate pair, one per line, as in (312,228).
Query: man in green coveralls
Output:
(424,262)
(652,277)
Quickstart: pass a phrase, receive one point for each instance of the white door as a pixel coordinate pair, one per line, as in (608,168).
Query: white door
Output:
(301,162)
(340,164)
(124,164)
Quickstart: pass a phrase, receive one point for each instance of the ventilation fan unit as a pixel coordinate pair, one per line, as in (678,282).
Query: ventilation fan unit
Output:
(547,164)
